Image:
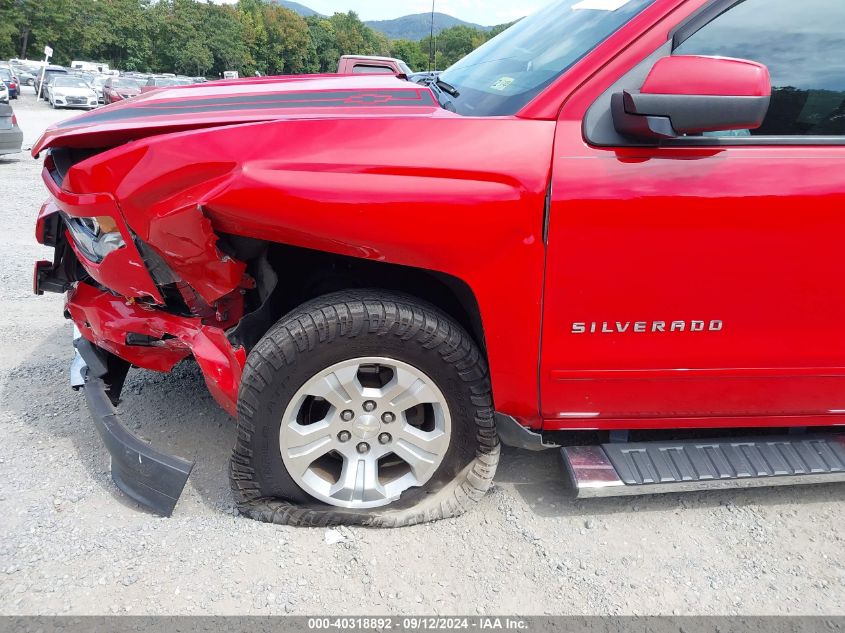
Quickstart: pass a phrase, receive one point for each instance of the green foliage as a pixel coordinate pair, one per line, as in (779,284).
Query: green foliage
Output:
(454,43)
(324,50)
(411,53)
(204,38)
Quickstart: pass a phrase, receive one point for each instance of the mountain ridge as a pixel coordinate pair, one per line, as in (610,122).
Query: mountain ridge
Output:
(418,25)
(415,26)
(301,9)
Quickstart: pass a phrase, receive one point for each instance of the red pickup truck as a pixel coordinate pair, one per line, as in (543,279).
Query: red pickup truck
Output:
(371,64)
(612,231)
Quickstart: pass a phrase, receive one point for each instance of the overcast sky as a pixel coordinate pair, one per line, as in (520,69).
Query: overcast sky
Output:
(487,12)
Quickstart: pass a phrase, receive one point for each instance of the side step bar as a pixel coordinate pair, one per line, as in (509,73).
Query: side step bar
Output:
(640,468)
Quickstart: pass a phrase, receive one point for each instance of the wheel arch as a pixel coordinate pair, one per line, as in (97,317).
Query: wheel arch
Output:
(299,274)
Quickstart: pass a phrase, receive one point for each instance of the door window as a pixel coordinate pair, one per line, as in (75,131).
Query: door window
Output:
(363,69)
(803,46)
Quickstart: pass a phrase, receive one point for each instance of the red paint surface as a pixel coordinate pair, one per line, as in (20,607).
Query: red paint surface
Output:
(749,236)
(113,95)
(746,235)
(122,270)
(695,75)
(105,319)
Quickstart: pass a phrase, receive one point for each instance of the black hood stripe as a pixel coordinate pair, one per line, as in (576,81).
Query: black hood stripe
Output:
(319,99)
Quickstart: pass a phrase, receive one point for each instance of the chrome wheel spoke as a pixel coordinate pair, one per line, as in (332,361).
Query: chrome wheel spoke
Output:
(364,453)
(420,450)
(407,390)
(358,481)
(340,387)
(307,445)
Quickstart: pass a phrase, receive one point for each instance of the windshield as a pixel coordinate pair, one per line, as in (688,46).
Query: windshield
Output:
(504,74)
(69,82)
(5,74)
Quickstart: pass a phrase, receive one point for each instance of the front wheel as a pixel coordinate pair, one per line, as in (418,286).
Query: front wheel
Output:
(363,407)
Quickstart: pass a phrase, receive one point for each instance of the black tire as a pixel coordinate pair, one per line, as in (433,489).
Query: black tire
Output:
(346,325)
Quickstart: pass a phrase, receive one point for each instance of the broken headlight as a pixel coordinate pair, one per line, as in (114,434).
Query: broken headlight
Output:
(95,237)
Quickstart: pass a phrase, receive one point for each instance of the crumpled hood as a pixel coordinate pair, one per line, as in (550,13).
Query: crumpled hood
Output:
(241,101)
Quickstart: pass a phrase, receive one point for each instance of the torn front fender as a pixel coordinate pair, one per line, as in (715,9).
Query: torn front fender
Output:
(186,240)
(153,339)
(161,196)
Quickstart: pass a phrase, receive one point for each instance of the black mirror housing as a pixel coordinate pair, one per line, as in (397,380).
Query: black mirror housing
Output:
(658,116)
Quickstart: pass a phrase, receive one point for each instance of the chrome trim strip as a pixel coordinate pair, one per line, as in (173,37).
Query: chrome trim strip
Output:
(591,474)
(590,492)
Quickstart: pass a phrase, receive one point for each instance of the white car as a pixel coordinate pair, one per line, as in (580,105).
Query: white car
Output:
(4,93)
(67,91)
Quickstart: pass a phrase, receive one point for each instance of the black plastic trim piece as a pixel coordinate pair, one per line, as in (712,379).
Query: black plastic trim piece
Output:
(153,479)
(47,281)
(94,357)
(649,463)
(512,433)
(598,127)
(754,141)
(669,116)
(700,19)
(52,229)
(547,212)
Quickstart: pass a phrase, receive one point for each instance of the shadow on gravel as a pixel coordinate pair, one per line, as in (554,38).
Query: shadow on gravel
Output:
(539,480)
(173,411)
(177,414)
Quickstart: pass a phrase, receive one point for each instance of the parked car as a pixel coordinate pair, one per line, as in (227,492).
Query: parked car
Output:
(67,91)
(97,83)
(4,93)
(12,82)
(11,137)
(26,74)
(603,232)
(153,83)
(120,88)
(49,73)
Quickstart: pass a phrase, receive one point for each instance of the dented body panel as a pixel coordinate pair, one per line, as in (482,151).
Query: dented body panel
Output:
(106,320)
(611,255)
(327,174)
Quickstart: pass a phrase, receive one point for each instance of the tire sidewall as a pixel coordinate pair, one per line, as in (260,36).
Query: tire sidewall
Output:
(281,385)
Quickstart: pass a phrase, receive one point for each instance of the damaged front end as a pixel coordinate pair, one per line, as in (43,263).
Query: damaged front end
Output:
(148,298)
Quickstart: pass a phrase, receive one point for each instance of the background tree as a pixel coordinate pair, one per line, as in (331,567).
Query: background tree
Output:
(324,52)
(288,42)
(411,53)
(206,38)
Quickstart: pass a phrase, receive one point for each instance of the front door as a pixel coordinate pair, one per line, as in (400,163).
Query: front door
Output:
(704,280)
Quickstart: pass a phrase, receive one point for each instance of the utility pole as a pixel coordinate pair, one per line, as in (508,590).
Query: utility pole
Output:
(432,48)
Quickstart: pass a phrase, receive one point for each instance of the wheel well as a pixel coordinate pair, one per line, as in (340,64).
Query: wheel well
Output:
(288,276)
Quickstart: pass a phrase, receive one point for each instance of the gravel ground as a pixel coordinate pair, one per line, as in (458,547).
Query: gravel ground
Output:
(74,544)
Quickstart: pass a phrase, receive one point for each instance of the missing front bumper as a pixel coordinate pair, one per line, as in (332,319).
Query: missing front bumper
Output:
(150,477)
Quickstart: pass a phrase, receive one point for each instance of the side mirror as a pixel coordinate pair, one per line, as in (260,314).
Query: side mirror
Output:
(688,94)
